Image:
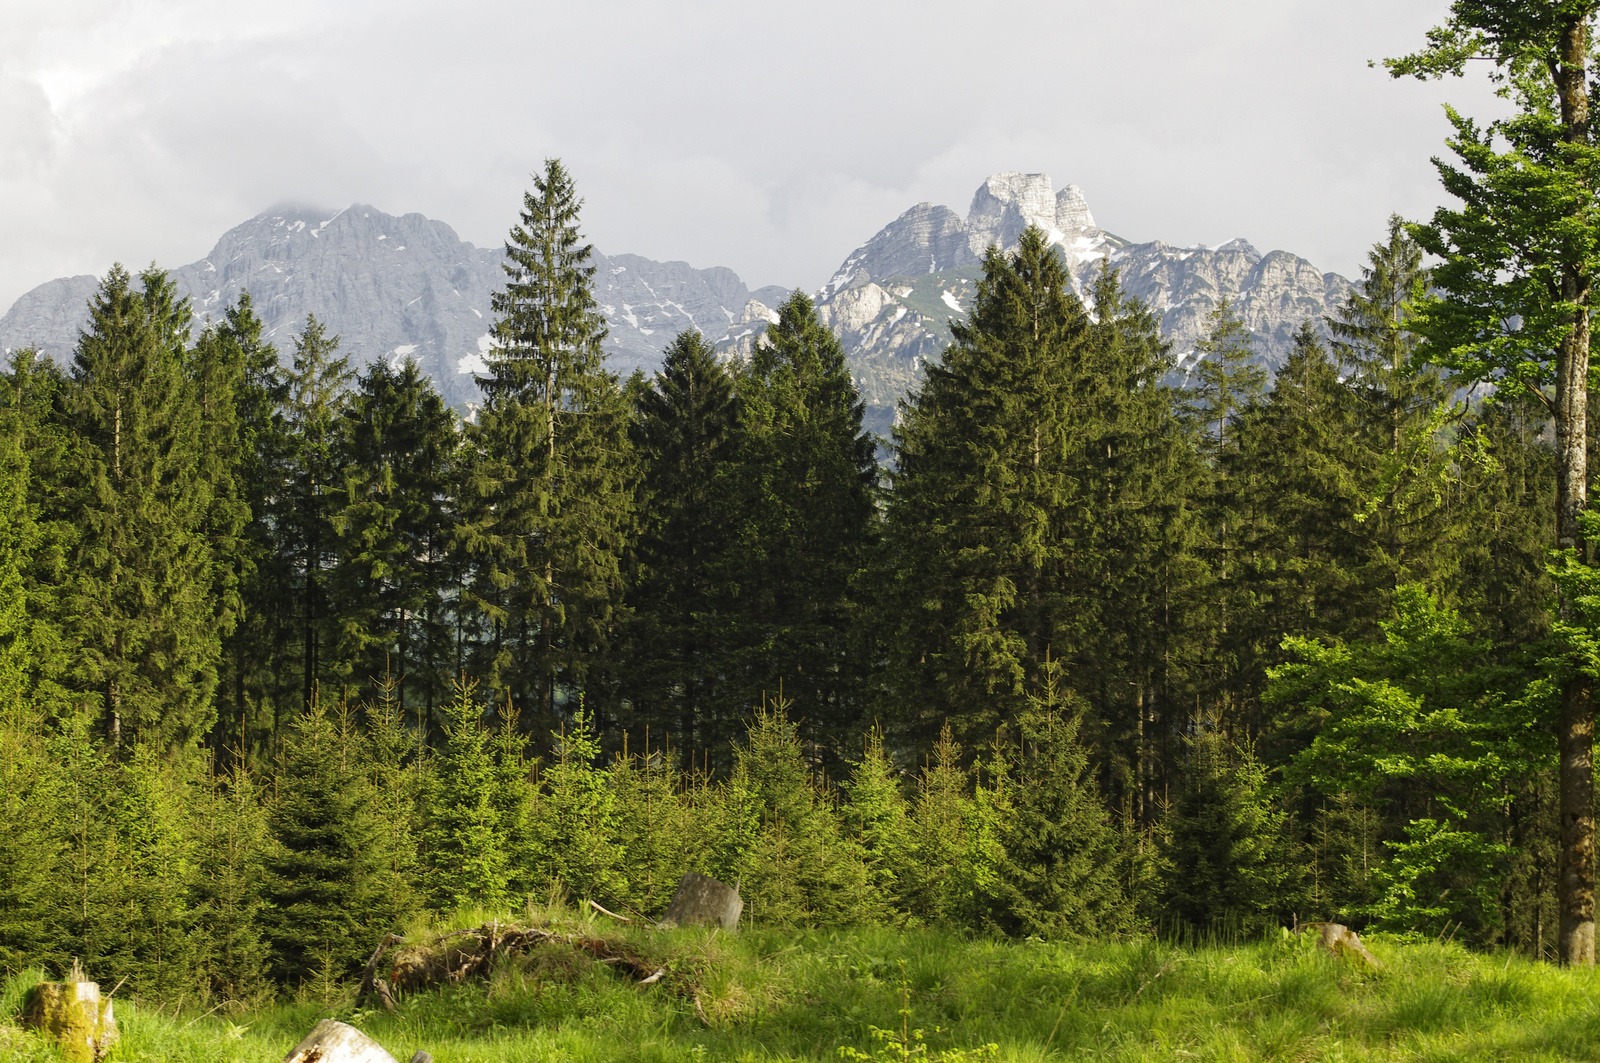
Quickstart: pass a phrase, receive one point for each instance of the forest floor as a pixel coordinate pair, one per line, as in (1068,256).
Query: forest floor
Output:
(779,995)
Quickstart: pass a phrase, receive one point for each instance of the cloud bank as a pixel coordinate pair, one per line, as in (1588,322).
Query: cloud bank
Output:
(768,138)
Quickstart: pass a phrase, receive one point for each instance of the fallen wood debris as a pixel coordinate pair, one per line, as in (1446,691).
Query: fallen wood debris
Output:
(614,915)
(460,955)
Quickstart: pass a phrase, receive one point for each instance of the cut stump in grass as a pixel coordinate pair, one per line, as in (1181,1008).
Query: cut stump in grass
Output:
(702,899)
(73,1015)
(1343,942)
(337,1042)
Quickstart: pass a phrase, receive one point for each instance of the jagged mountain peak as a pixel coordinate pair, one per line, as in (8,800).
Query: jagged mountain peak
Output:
(892,300)
(400,286)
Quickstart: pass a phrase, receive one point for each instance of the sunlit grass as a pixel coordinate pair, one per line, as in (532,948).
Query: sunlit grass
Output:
(775,995)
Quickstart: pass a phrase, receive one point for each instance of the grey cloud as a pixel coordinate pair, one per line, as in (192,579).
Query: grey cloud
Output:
(768,138)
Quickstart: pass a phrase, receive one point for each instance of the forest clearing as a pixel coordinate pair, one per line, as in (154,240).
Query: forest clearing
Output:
(817,995)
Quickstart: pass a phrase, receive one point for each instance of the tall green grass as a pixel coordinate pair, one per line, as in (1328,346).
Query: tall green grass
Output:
(776,995)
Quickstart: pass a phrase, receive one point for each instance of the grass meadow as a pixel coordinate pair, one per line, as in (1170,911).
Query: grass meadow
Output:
(768,994)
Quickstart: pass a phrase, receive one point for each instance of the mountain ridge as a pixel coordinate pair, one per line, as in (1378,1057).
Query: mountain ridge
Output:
(395,286)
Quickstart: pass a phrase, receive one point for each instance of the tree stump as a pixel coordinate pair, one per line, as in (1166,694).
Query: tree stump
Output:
(337,1042)
(73,1015)
(702,899)
(1341,941)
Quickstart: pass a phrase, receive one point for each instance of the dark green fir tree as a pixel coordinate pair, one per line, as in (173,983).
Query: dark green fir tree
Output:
(989,456)
(311,498)
(810,479)
(397,450)
(549,508)
(686,581)
(138,616)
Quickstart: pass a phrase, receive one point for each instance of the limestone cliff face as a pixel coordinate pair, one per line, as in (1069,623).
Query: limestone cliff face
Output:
(396,287)
(892,300)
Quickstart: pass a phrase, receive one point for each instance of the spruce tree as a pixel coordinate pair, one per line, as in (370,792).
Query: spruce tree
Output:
(655,832)
(878,819)
(149,932)
(1230,865)
(799,869)
(328,888)
(1135,573)
(387,590)
(33,414)
(137,616)
(1060,875)
(1226,377)
(578,830)
(810,478)
(550,487)
(1410,524)
(304,514)
(987,451)
(1289,492)
(469,863)
(1228,387)
(683,598)
(233,836)
(217,370)
(256,660)
(30,832)
(941,815)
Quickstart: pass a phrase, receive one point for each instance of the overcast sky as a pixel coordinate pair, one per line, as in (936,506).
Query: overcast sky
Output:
(769,137)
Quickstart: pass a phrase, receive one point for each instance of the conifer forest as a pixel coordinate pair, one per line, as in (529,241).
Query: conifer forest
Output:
(1093,646)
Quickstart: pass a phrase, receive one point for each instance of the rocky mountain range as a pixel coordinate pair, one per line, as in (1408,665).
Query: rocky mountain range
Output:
(892,299)
(395,287)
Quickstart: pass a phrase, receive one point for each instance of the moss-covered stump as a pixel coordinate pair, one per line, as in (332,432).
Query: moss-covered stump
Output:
(73,1015)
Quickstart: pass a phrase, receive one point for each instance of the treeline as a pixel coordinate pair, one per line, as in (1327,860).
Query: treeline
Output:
(1122,637)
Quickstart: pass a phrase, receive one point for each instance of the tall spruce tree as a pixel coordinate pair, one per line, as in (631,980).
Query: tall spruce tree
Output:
(311,497)
(1410,523)
(810,524)
(682,600)
(138,617)
(30,834)
(1228,383)
(987,454)
(1134,569)
(1519,258)
(387,592)
(34,410)
(550,487)
(1291,484)
(256,653)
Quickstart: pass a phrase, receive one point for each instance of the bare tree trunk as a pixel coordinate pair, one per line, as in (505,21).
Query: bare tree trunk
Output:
(1576,729)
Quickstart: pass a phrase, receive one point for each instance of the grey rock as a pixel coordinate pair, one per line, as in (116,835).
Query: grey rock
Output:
(336,1042)
(892,300)
(396,287)
(701,899)
(1072,210)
